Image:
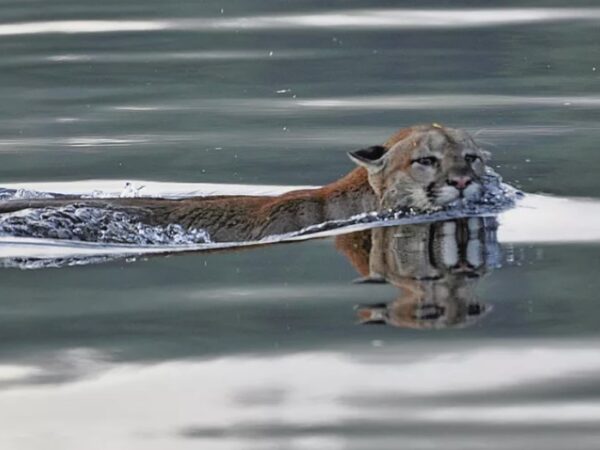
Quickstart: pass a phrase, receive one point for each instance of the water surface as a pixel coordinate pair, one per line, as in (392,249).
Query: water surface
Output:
(262,348)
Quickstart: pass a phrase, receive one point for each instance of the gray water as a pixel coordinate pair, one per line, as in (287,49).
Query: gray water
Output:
(262,348)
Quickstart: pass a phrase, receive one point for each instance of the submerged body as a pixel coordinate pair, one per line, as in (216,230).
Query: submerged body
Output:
(422,167)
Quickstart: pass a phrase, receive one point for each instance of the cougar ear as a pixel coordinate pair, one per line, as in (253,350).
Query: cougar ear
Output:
(372,158)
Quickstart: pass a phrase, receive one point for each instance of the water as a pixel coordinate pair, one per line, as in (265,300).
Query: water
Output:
(262,348)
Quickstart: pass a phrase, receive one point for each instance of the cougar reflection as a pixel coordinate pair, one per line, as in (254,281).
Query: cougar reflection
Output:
(436,266)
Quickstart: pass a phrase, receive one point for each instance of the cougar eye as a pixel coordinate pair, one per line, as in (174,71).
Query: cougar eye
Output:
(471,158)
(426,161)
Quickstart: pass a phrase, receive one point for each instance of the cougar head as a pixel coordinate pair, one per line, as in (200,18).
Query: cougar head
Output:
(424,167)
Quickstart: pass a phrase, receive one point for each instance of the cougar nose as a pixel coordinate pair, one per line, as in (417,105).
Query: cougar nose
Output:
(459,182)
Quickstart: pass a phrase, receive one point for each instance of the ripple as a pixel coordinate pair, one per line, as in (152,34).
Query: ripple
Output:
(403,19)
(446,101)
(80,26)
(100,225)
(298,106)
(213,55)
(368,19)
(521,414)
(115,188)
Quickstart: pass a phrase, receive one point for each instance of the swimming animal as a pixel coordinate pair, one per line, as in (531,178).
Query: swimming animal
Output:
(422,167)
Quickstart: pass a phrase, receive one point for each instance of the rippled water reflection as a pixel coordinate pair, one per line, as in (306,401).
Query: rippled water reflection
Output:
(270,401)
(264,348)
